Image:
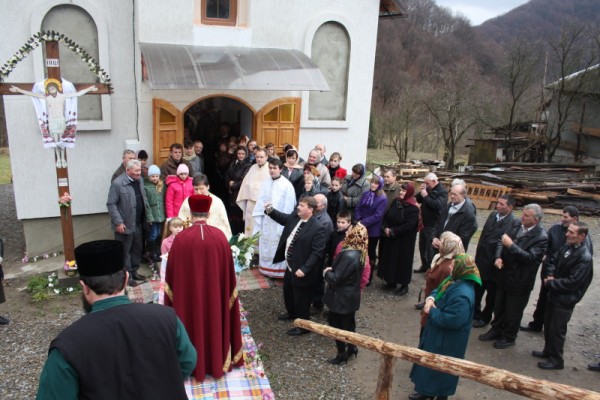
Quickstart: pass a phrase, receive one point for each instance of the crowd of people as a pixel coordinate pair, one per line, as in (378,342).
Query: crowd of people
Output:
(324,231)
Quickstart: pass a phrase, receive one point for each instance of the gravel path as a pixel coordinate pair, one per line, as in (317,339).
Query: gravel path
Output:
(296,367)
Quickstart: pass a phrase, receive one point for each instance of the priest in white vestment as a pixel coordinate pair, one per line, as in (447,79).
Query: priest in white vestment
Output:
(250,187)
(279,193)
(217,215)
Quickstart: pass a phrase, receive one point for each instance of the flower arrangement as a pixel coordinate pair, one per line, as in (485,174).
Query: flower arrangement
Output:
(65,200)
(242,249)
(37,39)
(70,267)
(44,256)
(41,287)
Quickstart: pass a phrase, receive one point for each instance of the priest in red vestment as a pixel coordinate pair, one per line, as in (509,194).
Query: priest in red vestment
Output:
(201,287)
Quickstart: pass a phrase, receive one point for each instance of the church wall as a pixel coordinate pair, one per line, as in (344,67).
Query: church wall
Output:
(98,150)
(97,153)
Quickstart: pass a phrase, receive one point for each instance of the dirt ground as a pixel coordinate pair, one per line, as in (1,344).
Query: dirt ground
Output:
(382,315)
(395,319)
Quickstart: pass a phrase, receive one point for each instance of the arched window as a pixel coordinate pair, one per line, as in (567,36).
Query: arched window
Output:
(331,52)
(75,23)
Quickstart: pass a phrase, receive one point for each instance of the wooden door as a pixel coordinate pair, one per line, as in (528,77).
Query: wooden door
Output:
(168,129)
(279,123)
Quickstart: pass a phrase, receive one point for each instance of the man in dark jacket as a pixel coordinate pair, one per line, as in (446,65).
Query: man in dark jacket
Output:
(556,240)
(496,225)
(169,167)
(301,245)
(570,274)
(325,221)
(108,353)
(518,257)
(458,216)
(433,198)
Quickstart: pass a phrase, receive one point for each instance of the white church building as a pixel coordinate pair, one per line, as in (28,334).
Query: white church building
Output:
(279,71)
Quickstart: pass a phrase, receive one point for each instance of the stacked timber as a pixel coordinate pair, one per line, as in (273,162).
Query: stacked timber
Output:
(548,184)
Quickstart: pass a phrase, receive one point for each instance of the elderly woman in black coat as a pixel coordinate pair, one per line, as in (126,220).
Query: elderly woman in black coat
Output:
(342,294)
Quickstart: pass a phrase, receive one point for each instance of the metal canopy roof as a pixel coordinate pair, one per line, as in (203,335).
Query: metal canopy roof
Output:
(175,66)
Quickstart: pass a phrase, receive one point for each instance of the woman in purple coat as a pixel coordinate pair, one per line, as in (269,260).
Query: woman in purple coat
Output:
(370,212)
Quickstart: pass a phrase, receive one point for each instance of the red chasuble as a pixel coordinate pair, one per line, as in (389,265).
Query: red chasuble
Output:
(201,287)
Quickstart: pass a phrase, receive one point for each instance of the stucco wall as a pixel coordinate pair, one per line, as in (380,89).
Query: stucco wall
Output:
(288,24)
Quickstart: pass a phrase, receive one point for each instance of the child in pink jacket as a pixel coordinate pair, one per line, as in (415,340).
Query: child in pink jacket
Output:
(178,189)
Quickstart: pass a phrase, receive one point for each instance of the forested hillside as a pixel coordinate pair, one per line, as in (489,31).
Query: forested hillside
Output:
(439,81)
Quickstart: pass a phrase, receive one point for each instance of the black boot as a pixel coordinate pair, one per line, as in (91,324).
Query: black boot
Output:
(352,351)
(149,255)
(340,359)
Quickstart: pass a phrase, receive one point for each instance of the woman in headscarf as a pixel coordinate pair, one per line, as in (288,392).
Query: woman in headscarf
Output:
(342,293)
(441,265)
(399,235)
(293,171)
(354,186)
(369,212)
(450,312)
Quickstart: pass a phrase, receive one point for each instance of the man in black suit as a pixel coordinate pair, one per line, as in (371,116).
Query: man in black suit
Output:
(458,216)
(433,198)
(518,256)
(571,271)
(496,225)
(302,246)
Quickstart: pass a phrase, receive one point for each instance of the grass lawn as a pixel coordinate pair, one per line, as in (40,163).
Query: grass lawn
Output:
(5,172)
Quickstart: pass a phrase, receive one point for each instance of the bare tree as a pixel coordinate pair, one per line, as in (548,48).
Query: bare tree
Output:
(519,73)
(572,56)
(452,104)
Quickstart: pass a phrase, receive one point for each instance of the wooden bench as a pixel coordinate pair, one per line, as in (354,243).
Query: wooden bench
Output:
(485,196)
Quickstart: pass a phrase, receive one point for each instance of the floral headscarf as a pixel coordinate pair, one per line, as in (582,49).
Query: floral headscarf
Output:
(357,239)
(451,246)
(464,269)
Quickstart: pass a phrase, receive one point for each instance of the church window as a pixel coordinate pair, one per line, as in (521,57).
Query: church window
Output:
(219,12)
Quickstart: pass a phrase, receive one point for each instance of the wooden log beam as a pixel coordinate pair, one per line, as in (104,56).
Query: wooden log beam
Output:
(585,195)
(495,377)
(385,378)
(102,88)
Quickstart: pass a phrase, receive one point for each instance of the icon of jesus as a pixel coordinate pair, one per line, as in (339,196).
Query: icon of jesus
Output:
(54,123)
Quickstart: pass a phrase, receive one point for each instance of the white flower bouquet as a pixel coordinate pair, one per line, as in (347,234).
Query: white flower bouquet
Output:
(242,250)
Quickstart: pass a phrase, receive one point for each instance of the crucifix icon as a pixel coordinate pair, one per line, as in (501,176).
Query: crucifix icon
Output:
(54,137)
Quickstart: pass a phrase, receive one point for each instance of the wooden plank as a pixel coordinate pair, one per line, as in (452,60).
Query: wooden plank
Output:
(586,130)
(385,378)
(585,195)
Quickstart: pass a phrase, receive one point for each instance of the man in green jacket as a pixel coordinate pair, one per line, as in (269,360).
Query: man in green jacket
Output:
(119,349)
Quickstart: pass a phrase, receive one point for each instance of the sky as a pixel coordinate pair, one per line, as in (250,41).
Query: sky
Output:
(479,11)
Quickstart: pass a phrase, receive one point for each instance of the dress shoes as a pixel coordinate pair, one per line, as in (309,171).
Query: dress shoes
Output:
(284,317)
(550,365)
(418,396)
(3,320)
(479,323)
(420,270)
(419,306)
(530,328)
(504,343)
(138,277)
(402,291)
(490,336)
(540,354)
(297,332)
(594,367)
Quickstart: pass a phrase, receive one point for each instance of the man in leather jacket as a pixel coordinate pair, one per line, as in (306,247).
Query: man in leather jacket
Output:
(571,274)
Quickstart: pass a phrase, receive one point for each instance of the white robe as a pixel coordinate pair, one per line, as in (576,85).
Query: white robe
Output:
(281,195)
(217,215)
(248,194)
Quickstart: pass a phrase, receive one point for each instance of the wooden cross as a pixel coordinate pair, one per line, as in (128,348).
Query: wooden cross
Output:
(62,174)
